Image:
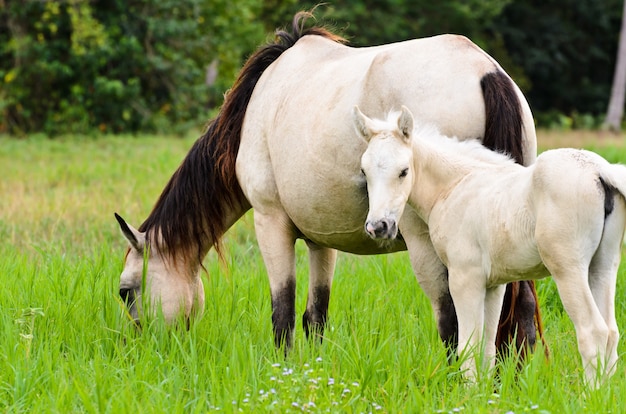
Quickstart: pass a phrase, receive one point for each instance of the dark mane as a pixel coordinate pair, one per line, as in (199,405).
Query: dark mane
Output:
(204,188)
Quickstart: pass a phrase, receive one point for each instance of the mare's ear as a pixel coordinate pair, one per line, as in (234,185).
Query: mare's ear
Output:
(362,124)
(136,238)
(405,123)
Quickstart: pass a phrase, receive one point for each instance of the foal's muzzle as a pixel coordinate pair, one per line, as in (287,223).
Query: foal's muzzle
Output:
(385,228)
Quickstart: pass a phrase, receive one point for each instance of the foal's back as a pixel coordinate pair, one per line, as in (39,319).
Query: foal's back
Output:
(517,215)
(575,199)
(572,180)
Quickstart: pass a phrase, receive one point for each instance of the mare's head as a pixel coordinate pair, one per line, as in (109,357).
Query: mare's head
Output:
(156,281)
(388,168)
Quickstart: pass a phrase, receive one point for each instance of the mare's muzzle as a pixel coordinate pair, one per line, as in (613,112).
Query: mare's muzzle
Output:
(385,228)
(128,296)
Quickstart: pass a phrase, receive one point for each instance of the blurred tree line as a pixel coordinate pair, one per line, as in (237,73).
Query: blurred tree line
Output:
(163,65)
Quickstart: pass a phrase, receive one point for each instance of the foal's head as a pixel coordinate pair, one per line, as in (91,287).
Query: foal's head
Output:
(388,168)
(152,279)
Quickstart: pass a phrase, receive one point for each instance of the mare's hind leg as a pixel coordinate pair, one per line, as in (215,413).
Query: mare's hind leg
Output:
(276,237)
(603,276)
(322,267)
(520,320)
(432,276)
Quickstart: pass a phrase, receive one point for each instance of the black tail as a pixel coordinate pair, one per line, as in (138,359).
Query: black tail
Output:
(503,126)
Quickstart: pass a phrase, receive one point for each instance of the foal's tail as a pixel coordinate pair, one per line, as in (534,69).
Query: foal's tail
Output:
(613,179)
(613,176)
(509,129)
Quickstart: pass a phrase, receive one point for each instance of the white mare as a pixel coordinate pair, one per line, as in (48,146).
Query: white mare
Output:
(492,221)
(283,144)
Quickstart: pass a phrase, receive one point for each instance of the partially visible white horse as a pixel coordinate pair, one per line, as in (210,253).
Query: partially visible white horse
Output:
(280,146)
(492,221)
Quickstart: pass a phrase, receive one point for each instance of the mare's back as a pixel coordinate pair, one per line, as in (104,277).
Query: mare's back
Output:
(299,124)
(318,81)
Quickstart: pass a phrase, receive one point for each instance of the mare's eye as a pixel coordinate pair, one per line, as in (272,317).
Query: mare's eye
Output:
(404,172)
(363,172)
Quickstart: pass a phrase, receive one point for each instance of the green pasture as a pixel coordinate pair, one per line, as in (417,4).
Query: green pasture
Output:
(65,346)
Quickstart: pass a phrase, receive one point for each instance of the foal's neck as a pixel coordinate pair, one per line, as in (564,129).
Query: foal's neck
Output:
(437,172)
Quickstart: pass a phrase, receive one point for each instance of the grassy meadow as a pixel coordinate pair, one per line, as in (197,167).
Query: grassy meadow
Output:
(65,345)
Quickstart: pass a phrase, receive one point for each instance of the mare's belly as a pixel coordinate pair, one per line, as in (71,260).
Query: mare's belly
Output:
(329,208)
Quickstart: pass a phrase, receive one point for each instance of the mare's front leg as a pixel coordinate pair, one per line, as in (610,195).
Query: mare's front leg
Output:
(276,237)
(432,276)
(321,269)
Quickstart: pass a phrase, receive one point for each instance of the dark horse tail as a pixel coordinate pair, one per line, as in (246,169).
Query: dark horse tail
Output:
(204,188)
(520,319)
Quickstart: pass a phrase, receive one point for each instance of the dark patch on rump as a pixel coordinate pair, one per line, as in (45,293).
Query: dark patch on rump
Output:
(609,197)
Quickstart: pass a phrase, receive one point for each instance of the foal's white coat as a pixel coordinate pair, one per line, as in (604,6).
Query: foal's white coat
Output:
(492,221)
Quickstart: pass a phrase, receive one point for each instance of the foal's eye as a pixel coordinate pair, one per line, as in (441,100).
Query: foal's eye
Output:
(404,173)
(363,172)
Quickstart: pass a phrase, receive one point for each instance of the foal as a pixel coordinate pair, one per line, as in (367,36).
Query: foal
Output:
(492,221)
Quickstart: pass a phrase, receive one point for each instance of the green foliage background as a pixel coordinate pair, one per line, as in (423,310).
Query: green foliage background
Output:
(70,66)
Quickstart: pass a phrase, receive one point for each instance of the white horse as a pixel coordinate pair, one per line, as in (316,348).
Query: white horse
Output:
(281,145)
(493,221)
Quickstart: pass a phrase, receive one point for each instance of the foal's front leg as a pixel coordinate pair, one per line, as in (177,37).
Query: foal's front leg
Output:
(469,293)
(276,237)
(321,269)
(494,297)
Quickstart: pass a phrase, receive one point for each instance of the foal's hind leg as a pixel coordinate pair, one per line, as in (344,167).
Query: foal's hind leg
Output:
(603,276)
(568,262)
(276,237)
(321,269)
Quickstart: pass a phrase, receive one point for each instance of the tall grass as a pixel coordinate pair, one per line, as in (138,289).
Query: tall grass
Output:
(65,345)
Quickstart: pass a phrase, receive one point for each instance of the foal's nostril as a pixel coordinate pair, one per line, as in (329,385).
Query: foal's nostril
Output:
(382,229)
(386,228)
(383,226)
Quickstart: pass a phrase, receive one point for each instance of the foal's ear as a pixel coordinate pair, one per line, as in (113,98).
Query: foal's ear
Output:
(405,123)
(362,124)
(136,238)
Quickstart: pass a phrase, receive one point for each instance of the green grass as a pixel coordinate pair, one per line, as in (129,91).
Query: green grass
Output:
(65,347)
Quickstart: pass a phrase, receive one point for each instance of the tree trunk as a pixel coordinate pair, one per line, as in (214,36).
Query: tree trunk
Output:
(616,105)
